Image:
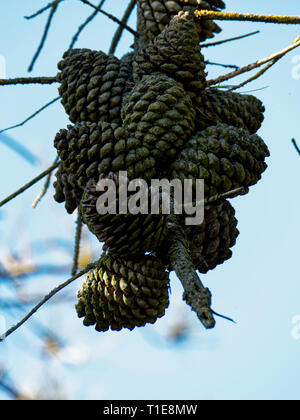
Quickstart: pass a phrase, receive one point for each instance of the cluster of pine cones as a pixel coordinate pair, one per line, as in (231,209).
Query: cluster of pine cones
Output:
(151,114)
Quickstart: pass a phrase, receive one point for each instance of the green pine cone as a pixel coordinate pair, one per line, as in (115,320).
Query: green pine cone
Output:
(225,157)
(176,53)
(242,111)
(90,149)
(122,234)
(66,189)
(124,293)
(93,84)
(155,15)
(160,114)
(210,242)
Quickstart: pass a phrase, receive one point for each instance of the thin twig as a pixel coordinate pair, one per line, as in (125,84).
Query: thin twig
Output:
(29,184)
(81,27)
(214,44)
(45,34)
(111,17)
(45,187)
(77,244)
(256,64)
(226,66)
(28,81)
(296,146)
(256,76)
(31,116)
(224,196)
(247,17)
(39,12)
(255,90)
(118,34)
(45,299)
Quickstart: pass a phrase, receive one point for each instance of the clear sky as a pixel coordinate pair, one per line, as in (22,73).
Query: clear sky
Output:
(257,358)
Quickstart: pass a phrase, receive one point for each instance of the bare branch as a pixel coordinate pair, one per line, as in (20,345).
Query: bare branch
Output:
(28,81)
(39,12)
(256,64)
(296,146)
(256,76)
(226,66)
(53,10)
(81,27)
(117,37)
(111,17)
(247,17)
(44,300)
(30,184)
(214,44)
(195,294)
(45,188)
(77,244)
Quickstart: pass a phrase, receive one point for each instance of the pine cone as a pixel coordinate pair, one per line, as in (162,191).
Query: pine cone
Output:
(122,234)
(224,156)
(155,15)
(93,85)
(66,189)
(89,149)
(210,242)
(124,293)
(176,53)
(159,114)
(242,111)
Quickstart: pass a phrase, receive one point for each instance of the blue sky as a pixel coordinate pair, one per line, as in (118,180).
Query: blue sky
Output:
(257,358)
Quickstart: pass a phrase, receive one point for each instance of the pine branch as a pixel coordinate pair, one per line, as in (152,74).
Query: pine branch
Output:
(29,184)
(44,300)
(28,80)
(195,294)
(118,35)
(247,17)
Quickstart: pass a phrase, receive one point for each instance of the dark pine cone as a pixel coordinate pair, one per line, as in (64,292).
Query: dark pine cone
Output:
(176,53)
(124,293)
(93,85)
(210,242)
(242,111)
(66,189)
(225,157)
(90,149)
(155,15)
(122,234)
(160,114)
